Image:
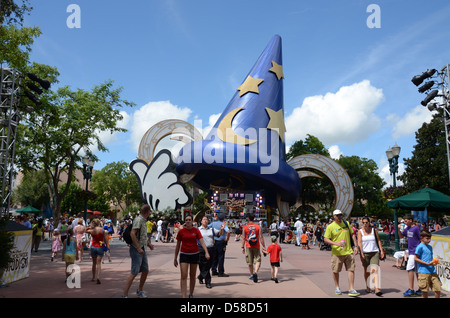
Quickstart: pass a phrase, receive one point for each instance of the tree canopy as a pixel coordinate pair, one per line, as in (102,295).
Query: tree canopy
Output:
(428,164)
(68,124)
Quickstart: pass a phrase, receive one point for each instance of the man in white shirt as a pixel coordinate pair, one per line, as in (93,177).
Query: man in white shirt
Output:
(75,221)
(282,231)
(205,264)
(159,230)
(299,227)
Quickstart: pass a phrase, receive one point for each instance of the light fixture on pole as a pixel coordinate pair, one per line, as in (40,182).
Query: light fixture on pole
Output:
(441,89)
(88,166)
(392,155)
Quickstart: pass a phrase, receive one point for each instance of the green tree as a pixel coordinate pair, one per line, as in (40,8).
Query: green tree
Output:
(367,184)
(13,13)
(15,40)
(428,164)
(53,137)
(117,184)
(311,144)
(73,201)
(33,190)
(16,45)
(6,244)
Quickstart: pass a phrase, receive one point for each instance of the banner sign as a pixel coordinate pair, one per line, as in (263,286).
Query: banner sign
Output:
(441,251)
(19,267)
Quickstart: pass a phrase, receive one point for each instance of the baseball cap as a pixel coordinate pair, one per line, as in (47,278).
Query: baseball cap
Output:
(337,212)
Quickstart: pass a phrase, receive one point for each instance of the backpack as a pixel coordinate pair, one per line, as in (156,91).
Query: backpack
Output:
(252,238)
(127,235)
(351,239)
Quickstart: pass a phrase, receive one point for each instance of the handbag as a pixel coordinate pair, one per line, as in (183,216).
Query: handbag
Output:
(379,248)
(85,238)
(104,246)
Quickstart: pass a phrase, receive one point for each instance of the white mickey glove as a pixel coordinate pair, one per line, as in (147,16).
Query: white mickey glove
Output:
(159,183)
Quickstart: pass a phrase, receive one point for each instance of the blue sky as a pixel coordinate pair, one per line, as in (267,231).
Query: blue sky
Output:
(345,83)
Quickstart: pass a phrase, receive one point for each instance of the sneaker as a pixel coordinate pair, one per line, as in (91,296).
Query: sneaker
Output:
(338,291)
(276,280)
(141,294)
(418,293)
(255,278)
(409,293)
(353,293)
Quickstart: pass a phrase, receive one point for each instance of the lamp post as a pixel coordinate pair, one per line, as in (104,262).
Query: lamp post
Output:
(88,165)
(392,155)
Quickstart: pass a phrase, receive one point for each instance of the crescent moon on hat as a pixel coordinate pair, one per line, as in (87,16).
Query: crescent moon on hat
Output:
(226,132)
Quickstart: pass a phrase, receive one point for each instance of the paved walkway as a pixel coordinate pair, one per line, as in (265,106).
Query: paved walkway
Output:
(303,274)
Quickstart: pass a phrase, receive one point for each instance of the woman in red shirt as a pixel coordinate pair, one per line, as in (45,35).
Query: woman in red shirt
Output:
(98,237)
(188,238)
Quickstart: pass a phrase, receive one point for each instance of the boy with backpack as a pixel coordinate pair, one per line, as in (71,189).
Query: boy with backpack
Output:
(251,246)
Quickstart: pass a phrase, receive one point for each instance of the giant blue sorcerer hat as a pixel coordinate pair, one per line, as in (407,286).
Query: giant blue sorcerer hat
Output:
(246,150)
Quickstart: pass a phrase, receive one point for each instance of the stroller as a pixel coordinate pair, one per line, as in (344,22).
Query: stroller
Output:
(290,237)
(324,246)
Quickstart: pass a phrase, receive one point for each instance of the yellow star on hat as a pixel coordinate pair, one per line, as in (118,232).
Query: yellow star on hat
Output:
(277,69)
(250,85)
(276,121)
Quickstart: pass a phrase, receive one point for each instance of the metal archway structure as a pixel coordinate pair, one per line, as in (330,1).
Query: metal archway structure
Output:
(344,194)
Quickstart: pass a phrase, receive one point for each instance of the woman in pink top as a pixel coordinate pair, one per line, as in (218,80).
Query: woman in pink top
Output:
(79,232)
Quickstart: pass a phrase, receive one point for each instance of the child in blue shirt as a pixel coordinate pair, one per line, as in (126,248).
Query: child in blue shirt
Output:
(427,276)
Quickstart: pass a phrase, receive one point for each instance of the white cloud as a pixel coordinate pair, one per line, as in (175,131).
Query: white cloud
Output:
(106,136)
(152,113)
(335,152)
(410,122)
(211,122)
(346,116)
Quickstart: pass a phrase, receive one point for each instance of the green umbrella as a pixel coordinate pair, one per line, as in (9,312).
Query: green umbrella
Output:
(28,209)
(424,198)
(419,200)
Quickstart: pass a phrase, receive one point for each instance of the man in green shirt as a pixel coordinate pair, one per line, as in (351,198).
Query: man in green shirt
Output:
(139,261)
(339,235)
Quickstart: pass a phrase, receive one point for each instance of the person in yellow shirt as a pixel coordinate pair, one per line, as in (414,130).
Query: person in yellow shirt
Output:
(149,229)
(38,232)
(340,235)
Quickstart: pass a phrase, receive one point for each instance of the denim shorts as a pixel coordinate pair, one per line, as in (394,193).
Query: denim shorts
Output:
(97,251)
(139,263)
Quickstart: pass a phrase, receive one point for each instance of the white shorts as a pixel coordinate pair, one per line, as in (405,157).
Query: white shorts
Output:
(399,254)
(411,264)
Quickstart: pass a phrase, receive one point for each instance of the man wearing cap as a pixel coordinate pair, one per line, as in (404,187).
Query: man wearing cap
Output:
(339,235)
(251,246)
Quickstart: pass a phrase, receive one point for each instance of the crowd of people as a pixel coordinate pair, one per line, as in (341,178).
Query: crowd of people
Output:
(202,247)
(71,237)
